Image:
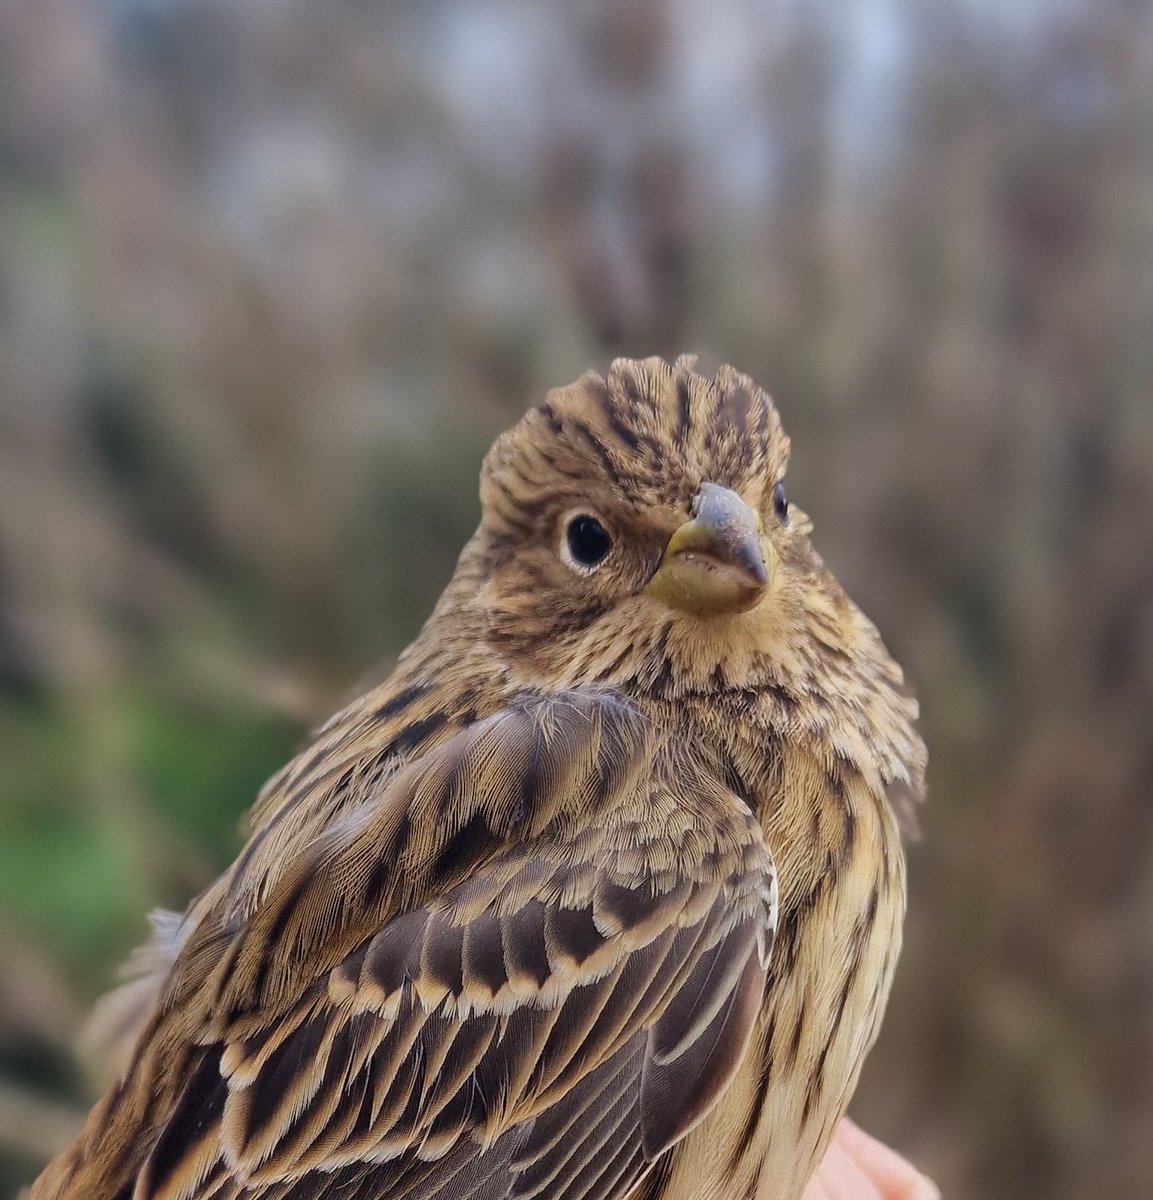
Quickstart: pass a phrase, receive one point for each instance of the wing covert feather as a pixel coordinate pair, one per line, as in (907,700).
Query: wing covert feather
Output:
(551,982)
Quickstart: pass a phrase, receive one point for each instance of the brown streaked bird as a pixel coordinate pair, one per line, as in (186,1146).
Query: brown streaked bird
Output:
(598,896)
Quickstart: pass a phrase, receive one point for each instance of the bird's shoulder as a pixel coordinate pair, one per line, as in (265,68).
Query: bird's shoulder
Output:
(557,896)
(580,776)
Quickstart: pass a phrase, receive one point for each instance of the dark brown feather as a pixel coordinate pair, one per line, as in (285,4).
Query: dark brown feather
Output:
(404,1052)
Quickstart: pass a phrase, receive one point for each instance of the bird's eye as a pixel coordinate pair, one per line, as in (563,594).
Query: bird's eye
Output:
(780,502)
(586,542)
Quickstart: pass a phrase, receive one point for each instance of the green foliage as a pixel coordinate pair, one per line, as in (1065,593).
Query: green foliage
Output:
(79,876)
(202,768)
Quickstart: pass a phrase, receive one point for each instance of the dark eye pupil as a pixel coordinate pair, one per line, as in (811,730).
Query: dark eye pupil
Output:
(780,502)
(588,540)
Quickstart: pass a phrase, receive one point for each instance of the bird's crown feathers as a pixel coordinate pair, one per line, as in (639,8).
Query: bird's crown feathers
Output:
(653,430)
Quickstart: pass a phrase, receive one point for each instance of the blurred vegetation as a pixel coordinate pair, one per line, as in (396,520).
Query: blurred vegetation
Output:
(272,277)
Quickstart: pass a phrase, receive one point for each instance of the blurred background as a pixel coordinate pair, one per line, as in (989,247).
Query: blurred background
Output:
(273,275)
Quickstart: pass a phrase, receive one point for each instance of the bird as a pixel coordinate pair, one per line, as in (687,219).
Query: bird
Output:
(599,895)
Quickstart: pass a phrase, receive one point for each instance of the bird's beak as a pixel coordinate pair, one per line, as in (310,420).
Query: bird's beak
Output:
(714,563)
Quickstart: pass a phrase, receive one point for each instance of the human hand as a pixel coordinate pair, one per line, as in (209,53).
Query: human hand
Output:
(858,1167)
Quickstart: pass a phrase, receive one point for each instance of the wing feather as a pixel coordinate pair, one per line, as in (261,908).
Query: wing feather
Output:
(551,985)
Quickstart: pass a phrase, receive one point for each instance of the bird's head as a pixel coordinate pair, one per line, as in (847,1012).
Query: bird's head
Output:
(636,530)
